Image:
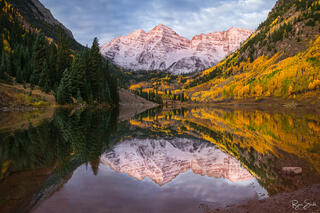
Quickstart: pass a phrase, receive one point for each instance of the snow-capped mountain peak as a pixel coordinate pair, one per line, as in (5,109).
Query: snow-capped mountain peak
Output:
(138,33)
(163,29)
(163,49)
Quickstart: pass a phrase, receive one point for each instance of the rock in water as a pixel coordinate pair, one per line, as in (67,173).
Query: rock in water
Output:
(292,170)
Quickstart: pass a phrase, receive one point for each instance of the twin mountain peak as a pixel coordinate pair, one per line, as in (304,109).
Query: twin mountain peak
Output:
(163,49)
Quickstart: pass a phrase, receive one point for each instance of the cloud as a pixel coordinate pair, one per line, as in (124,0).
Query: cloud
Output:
(107,19)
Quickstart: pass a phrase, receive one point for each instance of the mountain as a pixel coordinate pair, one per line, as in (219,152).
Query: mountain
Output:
(163,49)
(34,12)
(281,59)
(163,160)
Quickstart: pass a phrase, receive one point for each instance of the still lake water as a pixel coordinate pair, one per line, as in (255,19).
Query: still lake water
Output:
(182,160)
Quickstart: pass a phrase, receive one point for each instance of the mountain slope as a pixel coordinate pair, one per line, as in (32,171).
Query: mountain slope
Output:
(34,12)
(281,59)
(165,50)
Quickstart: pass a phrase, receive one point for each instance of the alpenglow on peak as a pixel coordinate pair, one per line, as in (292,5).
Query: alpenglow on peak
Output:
(163,49)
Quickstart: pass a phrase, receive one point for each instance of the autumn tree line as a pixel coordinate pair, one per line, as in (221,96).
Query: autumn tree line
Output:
(29,57)
(160,97)
(149,95)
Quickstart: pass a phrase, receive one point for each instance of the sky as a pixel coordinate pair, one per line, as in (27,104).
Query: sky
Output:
(107,19)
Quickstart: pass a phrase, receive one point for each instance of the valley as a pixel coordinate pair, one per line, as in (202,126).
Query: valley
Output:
(279,61)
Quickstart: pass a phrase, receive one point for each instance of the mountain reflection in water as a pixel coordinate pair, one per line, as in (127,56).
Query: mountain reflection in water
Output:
(158,161)
(163,160)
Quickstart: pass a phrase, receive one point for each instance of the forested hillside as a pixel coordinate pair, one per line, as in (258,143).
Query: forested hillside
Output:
(33,59)
(41,18)
(280,60)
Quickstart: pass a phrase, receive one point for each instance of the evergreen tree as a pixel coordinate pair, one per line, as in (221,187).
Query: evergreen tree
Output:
(63,55)
(85,63)
(39,54)
(10,66)
(27,67)
(114,92)
(95,70)
(106,85)
(78,75)
(19,75)
(2,65)
(64,95)
(79,98)
(44,82)
(1,72)
(52,62)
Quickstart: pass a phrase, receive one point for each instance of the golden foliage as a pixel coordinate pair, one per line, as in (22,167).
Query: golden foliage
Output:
(264,76)
(314,84)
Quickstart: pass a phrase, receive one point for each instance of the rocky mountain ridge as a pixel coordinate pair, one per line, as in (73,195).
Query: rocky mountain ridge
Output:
(163,49)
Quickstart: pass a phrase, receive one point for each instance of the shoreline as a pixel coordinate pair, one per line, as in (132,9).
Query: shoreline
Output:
(263,104)
(302,200)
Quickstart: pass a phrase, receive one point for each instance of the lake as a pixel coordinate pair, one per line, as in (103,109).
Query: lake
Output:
(162,160)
